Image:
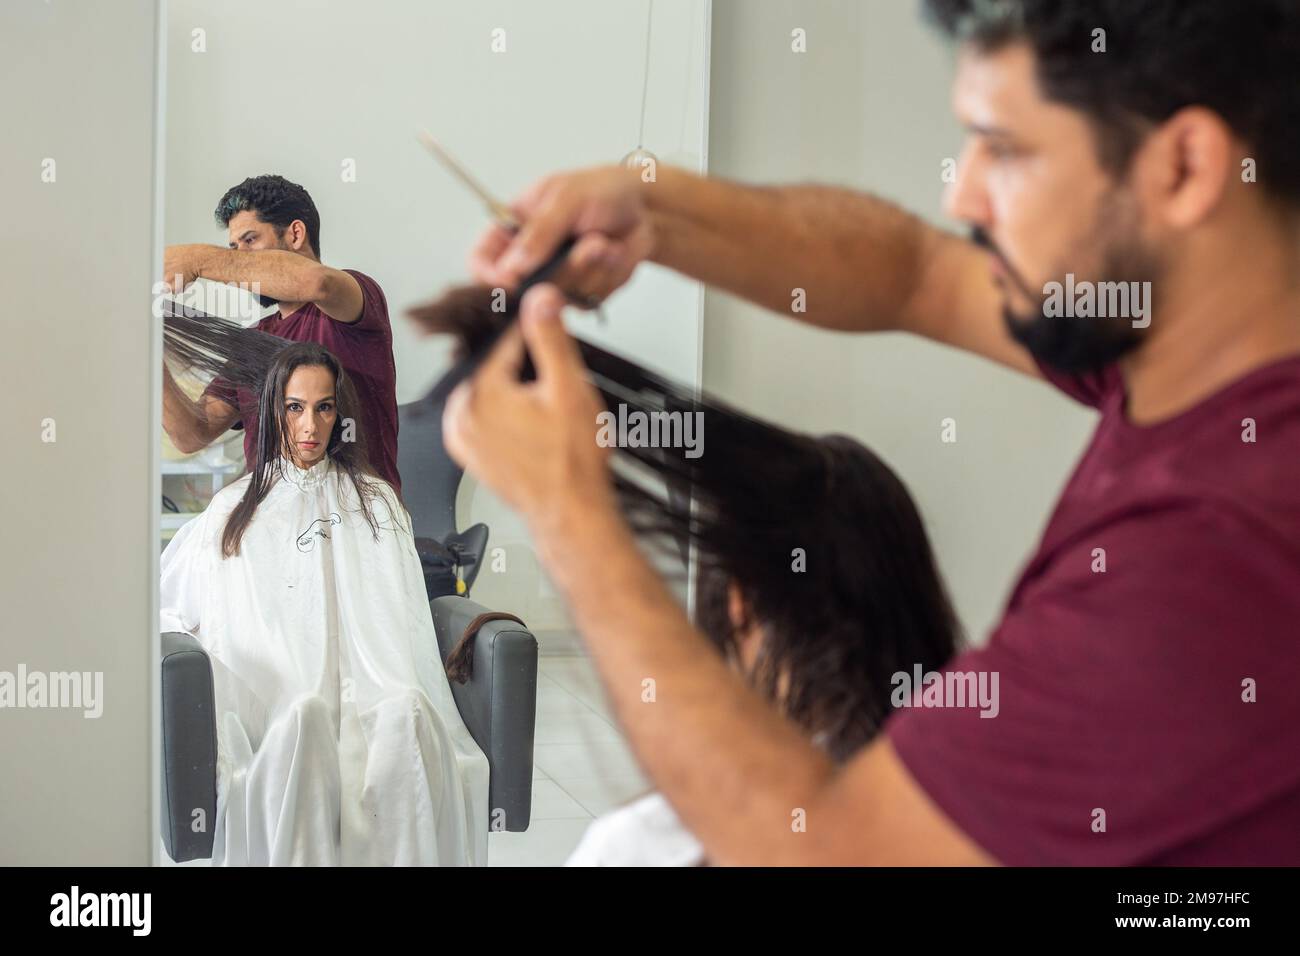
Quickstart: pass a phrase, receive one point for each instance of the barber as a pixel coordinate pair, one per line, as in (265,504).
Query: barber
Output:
(1148,712)
(274,231)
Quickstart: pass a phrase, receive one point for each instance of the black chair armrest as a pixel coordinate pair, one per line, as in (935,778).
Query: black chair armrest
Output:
(189,749)
(498,703)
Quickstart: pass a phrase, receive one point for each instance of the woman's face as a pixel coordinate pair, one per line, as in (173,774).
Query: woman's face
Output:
(309,414)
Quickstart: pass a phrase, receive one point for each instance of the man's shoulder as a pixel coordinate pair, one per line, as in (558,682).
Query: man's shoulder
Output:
(361,276)
(1224,471)
(369,285)
(1172,527)
(374,306)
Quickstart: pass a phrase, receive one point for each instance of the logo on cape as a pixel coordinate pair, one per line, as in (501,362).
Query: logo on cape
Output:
(317,529)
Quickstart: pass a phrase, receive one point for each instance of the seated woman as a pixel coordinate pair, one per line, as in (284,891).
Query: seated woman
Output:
(823,649)
(338,738)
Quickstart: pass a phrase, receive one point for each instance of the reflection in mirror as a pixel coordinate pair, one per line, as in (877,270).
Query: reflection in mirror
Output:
(299,202)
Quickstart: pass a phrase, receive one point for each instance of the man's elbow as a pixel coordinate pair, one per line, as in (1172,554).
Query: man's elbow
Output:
(185,441)
(320,284)
(189,446)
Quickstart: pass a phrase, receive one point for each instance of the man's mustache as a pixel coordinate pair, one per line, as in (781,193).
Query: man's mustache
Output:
(981,239)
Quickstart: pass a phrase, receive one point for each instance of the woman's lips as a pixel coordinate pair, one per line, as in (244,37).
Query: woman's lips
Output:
(308,444)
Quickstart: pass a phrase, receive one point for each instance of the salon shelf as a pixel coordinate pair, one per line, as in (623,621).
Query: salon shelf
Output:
(192,466)
(172,521)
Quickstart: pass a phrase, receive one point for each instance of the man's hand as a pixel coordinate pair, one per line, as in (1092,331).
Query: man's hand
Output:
(533,443)
(604,207)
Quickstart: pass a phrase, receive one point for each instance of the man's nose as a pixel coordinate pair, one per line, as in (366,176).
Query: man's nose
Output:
(966,198)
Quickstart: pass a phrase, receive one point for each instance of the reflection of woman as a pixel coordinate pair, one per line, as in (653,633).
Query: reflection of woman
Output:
(338,738)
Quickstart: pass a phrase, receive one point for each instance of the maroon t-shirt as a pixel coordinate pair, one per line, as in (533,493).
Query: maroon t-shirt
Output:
(365,350)
(1129,691)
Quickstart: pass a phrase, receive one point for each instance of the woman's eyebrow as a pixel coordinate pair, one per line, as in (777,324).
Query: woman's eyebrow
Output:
(290,398)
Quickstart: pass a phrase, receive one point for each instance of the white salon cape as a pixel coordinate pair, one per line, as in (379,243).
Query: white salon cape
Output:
(338,738)
(645,832)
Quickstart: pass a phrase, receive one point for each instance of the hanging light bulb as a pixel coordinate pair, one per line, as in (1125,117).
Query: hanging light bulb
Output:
(642,158)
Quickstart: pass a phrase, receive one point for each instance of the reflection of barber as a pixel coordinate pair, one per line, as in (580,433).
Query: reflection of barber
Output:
(1147,658)
(275,242)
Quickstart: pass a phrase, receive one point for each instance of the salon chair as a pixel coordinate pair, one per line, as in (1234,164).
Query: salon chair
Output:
(430,480)
(498,705)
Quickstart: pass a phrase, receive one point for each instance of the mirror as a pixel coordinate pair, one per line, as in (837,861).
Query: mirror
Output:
(331,96)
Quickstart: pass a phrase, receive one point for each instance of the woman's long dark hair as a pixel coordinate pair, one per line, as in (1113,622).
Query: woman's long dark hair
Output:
(820,536)
(208,346)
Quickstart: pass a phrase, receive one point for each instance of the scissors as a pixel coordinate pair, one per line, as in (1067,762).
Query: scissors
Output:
(498,210)
(501,213)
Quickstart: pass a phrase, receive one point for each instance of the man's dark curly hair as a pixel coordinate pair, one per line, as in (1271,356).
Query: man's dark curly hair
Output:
(275,200)
(1239,58)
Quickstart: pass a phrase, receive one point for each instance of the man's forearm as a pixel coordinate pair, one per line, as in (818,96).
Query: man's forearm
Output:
(181,418)
(735,770)
(856,258)
(280,274)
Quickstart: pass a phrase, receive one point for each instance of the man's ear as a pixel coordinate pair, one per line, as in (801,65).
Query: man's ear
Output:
(1186,165)
(297,235)
(747,634)
(737,612)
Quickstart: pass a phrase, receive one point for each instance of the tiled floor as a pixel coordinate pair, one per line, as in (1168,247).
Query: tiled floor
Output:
(581,766)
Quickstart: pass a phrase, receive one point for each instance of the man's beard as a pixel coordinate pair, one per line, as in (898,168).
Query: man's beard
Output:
(1077,344)
(1072,344)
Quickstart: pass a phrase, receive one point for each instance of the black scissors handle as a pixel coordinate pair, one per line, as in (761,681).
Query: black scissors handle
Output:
(470,363)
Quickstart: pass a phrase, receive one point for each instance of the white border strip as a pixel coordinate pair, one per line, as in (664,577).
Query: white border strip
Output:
(154,804)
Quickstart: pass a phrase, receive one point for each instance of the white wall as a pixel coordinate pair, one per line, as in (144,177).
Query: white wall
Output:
(867,106)
(297,88)
(78,566)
